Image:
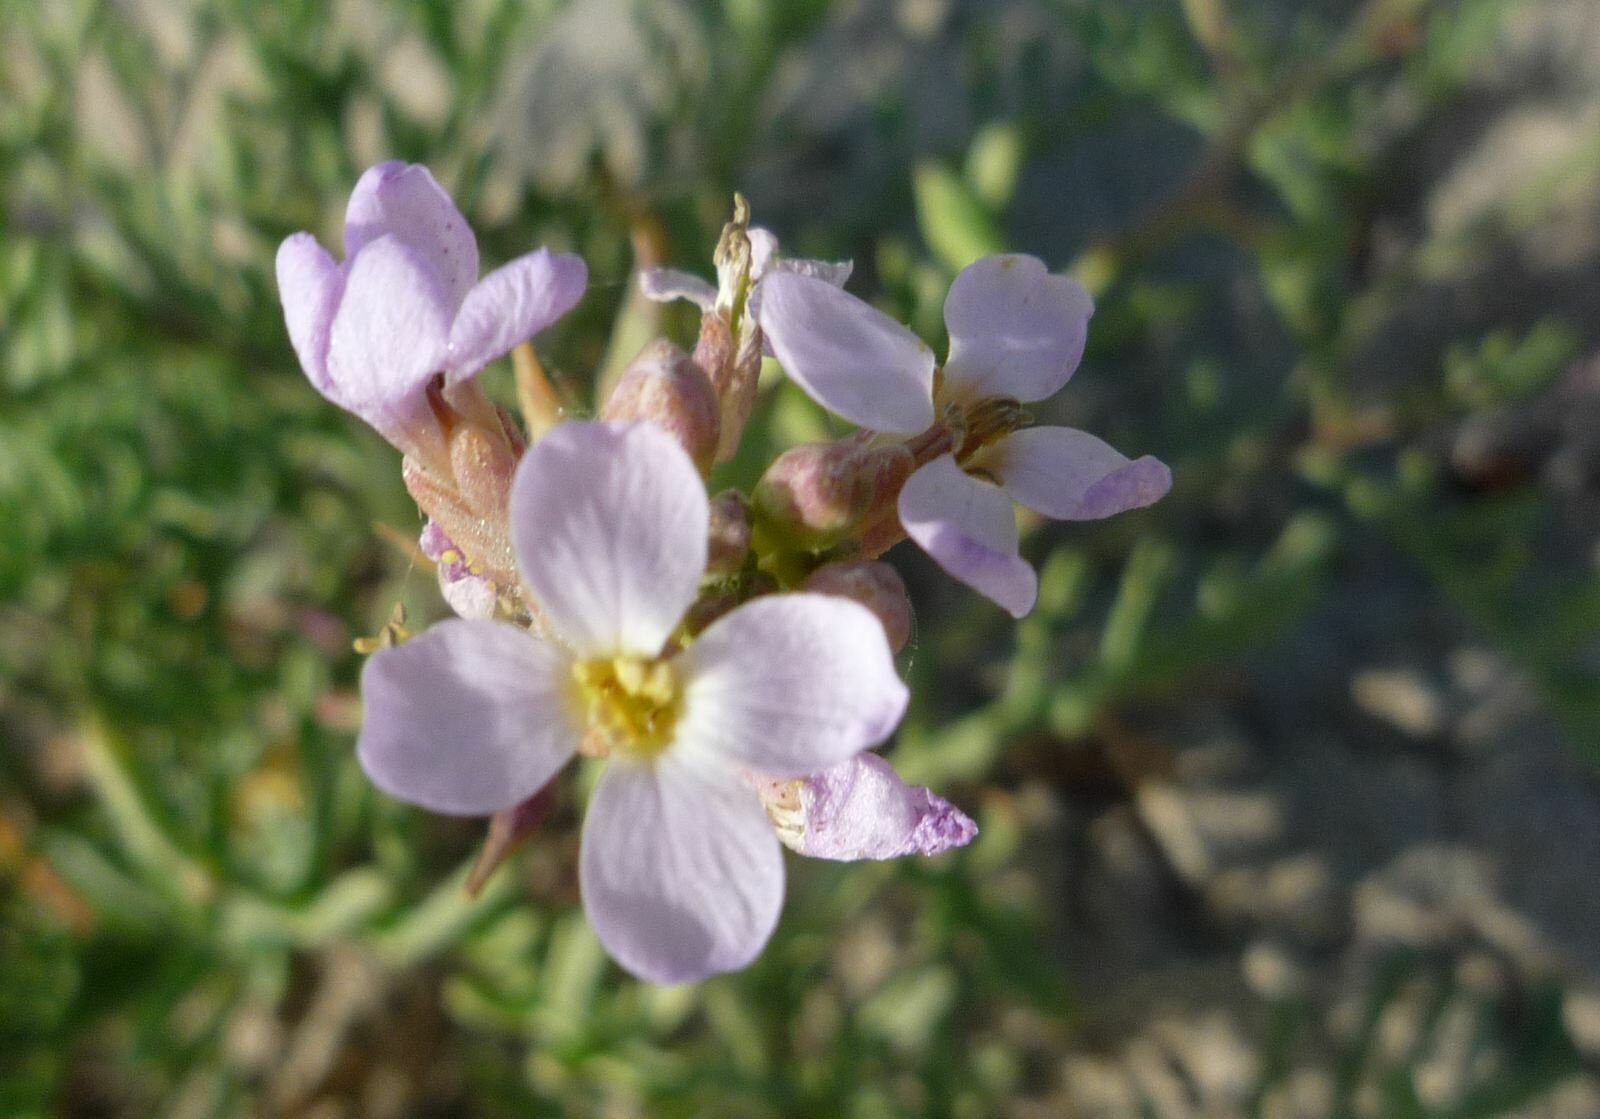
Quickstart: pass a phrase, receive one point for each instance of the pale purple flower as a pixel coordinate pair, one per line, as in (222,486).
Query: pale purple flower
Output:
(681,872)
(860,809)
(1017,334)
(406,303)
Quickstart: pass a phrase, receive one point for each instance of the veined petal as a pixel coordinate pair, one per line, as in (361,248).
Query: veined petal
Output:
(681,874)
(388,335)
(1015,329)
(664,285)
(1073,476)
(790,684)
(405,201)
(848,356)
(609,524)
(468,718)
(860,809)
(968,526)
(309,284)
(511,304)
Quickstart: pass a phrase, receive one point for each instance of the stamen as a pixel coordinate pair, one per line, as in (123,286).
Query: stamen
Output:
(632,703)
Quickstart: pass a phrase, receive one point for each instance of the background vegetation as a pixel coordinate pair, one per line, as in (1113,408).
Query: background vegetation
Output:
(1286,789)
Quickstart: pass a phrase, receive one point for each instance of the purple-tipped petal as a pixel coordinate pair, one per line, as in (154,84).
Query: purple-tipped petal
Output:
(1015,329)
(681,875)
(388,335)
(1073,476)
(665,285)
(849,357)
(860,809)
(967,525)
(512,304)
(468,718)
(405,201)
(309,283)
(790,684)
(609,524)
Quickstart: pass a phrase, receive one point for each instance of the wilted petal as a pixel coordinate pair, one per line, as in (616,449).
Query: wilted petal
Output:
(664,285)
(967,525)
(512,304)
(1015,329)
(849,357)
(470,596)
(763,251)
(609,524)
(860,809)
(406,202)
(388,335)
(1072,476)
(468,718)
(681,875)
(309,283)
(790,684)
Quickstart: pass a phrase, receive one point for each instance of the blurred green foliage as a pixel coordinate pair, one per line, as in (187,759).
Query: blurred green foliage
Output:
(208,912)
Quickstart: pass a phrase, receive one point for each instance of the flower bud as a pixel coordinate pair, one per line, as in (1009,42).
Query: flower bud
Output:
(875,585)
(729,541)
(815,495)
(666,387)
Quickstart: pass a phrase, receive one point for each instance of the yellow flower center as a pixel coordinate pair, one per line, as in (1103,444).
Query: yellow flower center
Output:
(632,702)
(984,424)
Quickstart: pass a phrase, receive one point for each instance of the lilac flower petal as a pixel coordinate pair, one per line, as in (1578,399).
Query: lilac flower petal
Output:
(1015,329)
(1073,476)
(860,809)
(665,285)
(790,684)
(388,335)
(967,525)
(681,875)
(511,304)
(406,202)
(609,524)
(468,718)
(309,283)
(849,357)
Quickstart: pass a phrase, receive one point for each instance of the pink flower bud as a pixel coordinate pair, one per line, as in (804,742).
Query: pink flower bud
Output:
(875,585)
(666,387)
(817,494)
(729,543)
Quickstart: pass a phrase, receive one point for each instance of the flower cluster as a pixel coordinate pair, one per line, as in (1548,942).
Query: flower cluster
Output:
(730,656)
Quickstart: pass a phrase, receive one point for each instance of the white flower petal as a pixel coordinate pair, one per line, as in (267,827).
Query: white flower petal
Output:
(968,526)
(1015,329)
(789,685)
(848,356)
(468,718)
(681,874)
(609,523)
(1073,476)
